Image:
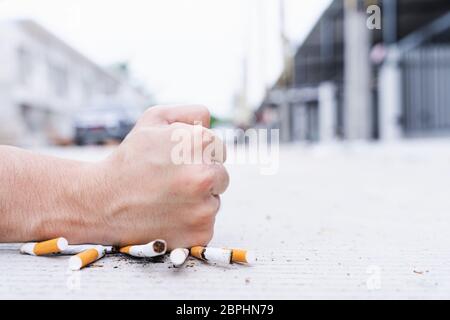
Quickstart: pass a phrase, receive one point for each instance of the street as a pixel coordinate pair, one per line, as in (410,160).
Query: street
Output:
(339,221)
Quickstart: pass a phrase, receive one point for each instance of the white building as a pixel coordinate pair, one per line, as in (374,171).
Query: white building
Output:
(44,82)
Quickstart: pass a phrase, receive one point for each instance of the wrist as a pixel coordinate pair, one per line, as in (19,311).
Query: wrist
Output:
(95,202)
(80,204)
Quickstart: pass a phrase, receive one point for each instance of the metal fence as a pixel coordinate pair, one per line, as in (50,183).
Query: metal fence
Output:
(426,90)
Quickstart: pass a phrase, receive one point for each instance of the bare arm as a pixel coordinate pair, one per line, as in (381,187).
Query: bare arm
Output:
(43,197)
(136,195)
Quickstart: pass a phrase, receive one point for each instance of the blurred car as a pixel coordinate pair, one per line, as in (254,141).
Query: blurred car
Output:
(99,125)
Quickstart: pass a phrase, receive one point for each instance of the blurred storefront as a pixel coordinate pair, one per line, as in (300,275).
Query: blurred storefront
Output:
(355,80)
(44,82)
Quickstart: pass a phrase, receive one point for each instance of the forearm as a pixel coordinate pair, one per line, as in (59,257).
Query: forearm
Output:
(42,197)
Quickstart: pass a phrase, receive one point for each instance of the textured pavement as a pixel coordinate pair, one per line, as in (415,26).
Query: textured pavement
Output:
(344,221)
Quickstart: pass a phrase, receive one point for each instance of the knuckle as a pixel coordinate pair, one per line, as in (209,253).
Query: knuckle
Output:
(220,153)
(198,178)
(204,110)
(208,137)
(205,180)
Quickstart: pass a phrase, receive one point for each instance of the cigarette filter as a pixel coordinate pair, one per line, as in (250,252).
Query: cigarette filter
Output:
(179,256)
(215,255)
(44,248)
(87,257)
(242,256)
(76,249)
(152,249)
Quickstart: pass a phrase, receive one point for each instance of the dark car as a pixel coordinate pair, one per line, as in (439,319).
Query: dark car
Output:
(94,126)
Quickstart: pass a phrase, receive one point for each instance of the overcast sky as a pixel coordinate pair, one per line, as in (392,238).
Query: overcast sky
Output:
(184,51)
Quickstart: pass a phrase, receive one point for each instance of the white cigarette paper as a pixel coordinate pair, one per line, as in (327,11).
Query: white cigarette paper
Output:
(218,255)
(179,256)
(215,255)
(76,249)
(153,249)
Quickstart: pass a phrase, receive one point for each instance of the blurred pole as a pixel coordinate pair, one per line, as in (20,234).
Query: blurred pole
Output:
(327,110)
(357,73)
(262,44)
(241,116)
(390,21)
(286,48)
(390,88)
(283,32)
(285,114)
(389,80)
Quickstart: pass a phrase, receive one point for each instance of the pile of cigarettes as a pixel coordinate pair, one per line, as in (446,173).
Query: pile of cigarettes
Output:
(84,255)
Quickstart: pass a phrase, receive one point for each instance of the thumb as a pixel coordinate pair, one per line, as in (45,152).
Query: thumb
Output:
(189,114)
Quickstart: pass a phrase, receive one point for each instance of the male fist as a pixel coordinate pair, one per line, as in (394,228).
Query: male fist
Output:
(150,193)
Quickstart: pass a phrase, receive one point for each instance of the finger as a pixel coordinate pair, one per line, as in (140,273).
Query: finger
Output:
(221,179)
(203,141)
(214,148)
(214,203)
(189,114)
(218,203)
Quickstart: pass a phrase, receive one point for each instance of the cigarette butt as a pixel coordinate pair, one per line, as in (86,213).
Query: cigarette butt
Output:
(242,256)
(197,252)
(76,249)
(87,257)
(152,249)
(215,255)
(179,256)
(45,248)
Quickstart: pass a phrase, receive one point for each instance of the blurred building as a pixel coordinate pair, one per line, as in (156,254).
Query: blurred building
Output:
(353,79)
(44,82)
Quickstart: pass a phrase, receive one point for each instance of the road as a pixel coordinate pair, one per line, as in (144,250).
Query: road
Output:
(344,221)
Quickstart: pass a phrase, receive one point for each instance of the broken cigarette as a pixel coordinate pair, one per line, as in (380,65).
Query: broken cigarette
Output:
(223,256)
(215,255)
(243,256)
(45,248)
(86,257)
(150,250)
(76,249)
(179,256)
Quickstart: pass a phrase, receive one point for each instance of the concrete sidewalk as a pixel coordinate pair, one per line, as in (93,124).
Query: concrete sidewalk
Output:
(360,221)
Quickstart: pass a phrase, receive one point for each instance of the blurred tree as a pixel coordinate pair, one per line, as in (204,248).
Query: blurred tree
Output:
(216,121)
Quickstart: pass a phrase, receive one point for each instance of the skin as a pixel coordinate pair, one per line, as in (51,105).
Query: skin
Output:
(136,195)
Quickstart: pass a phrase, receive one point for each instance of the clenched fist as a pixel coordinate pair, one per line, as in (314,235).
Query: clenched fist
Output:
(163,181)
(156,193)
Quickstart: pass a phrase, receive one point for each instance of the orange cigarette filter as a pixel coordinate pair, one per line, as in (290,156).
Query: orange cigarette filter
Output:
(87,257)
(242,256)
(45,248)
(197,252)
